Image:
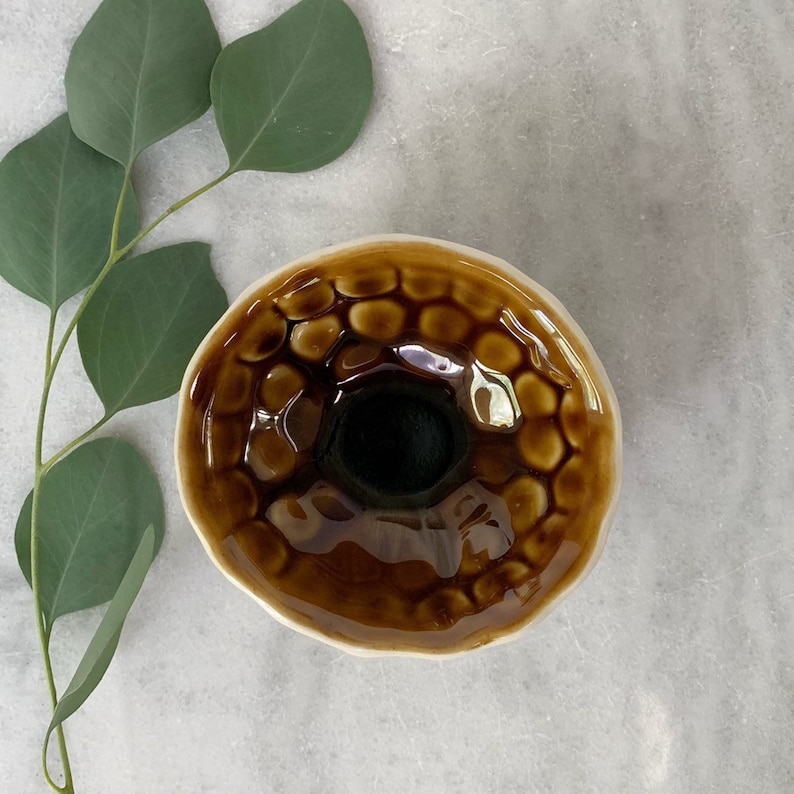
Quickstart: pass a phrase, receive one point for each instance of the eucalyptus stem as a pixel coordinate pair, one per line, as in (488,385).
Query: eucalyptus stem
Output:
(115,254)
(50,462)
(50,340)
(44,631)
(114,232)
(171,210)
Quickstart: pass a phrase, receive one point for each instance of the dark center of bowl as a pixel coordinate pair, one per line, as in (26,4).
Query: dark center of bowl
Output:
(394,445)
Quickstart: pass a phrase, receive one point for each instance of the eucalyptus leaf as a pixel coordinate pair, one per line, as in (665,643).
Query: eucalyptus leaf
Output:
(139,332)
(103,644)
(57,202)
(293,96)
(139,71)
(94,506)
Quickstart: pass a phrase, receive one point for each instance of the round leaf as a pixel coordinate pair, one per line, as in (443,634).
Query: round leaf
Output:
(94,507)
(57,201)
(139,332)
(293,96)
(139,71)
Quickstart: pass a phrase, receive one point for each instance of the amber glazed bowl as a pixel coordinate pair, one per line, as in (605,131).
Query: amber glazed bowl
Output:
(400,445)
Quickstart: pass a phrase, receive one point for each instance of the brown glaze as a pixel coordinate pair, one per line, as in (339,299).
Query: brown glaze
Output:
(523,512)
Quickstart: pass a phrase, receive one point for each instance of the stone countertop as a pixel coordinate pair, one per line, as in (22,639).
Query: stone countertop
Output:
(636,159)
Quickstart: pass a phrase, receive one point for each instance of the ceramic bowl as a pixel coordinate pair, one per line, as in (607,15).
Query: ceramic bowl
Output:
(400,445)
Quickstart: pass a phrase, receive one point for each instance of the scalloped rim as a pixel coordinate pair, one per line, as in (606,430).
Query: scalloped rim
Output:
(607,391)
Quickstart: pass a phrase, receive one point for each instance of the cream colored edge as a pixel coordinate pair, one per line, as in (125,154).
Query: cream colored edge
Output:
(463,251)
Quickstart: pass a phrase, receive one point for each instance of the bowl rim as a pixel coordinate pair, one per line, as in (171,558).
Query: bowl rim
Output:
(594,362)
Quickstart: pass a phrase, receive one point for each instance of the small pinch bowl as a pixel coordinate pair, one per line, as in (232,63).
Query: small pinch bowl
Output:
(400,445)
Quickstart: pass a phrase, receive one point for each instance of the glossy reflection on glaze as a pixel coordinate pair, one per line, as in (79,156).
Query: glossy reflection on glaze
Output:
(398,448)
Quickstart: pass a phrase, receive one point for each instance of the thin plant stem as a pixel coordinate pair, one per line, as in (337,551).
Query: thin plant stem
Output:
(42,467)
(44,631)
(68,787)
(50,340)
(114,232)
(50,462)
(171,210)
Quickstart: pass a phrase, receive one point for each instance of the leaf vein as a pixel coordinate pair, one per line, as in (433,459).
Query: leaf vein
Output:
(284,94)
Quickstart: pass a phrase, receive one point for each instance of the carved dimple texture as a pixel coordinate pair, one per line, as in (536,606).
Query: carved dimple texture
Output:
(477,302)
(270,456)
(380,319)
(443,323)
(570,484)
(533,470)
(366,282)
(279,386)
(263,334)
(540,546)
(234,387)
(235,497)
(419,285)
(226,441)
(307,300)
(258,542)
(573,419)
(536,396)
(527,501)
(443,607)
(498,351)
(492,585)
(311,340)
(542,445)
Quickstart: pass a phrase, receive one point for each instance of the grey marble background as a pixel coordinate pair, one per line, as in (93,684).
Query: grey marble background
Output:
(634,157)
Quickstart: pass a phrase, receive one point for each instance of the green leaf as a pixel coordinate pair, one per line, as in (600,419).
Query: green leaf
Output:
(139,332)
(139,71)
(293,96)
(57,201)
(103,644)
(94,506)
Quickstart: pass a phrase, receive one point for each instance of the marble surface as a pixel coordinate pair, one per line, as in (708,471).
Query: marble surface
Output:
(635,158)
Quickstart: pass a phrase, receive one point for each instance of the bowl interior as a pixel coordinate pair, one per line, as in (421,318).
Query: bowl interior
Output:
(400,445)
